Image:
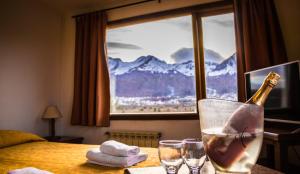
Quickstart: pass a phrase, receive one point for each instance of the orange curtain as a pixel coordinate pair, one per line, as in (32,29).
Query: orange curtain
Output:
(259,38)
(91,103)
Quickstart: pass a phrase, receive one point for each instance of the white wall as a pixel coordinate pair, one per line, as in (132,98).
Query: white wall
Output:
(30,44)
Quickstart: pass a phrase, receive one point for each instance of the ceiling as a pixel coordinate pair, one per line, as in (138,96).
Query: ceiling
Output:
(75,5)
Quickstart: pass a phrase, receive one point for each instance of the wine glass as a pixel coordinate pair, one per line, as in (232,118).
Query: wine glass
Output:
(170,155)
(193,154)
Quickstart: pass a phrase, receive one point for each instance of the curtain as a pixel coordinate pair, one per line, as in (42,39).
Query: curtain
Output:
(91,103)
(259,38)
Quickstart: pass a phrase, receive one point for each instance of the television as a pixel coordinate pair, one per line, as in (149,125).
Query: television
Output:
(283,103)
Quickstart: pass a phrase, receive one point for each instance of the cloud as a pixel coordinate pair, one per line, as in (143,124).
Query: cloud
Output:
(120,45)
(183,55)
(124,30)
(182,23)
(224,23)
(113,52)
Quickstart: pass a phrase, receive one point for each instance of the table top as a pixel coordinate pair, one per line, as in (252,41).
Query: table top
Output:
(207,169)
(257,169)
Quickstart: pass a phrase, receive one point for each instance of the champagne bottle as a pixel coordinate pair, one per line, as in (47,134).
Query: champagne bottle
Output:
(242,120)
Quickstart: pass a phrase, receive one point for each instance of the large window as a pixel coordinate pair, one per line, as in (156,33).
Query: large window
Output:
(152,67)
(220,57)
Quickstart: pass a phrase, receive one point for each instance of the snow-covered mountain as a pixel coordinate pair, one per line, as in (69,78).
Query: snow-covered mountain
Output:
(152,64)
(228,66)
(149,64)
(212,59)
(171,79)
(221,82)
(213,64)
(186,68)
(212,56)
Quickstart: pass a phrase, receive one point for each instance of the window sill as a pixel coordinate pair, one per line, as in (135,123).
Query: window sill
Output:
(167,116)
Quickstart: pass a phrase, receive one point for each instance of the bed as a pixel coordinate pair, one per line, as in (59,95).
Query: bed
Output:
(57,157)
(19,150)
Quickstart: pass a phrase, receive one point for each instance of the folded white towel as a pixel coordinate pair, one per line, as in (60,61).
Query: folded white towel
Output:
(97,157)
(115,148)
(29,170)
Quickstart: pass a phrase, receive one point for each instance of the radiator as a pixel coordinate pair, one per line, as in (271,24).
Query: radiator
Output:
(136,138)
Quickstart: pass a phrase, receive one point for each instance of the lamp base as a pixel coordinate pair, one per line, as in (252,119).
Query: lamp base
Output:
(52,127)
(53,138)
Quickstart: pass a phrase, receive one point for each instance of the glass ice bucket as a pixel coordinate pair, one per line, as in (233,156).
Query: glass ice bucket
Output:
(232,133)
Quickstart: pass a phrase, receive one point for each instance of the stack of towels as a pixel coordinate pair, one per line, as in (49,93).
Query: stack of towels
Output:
(115,154)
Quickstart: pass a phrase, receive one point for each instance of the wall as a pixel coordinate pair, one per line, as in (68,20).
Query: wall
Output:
(139,9)
(30,47)
(289,16)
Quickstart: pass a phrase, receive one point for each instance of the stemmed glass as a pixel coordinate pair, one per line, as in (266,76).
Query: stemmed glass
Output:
(170,155)
(193,154)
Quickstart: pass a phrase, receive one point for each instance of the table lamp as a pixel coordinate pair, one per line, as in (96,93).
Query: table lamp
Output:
(51,113)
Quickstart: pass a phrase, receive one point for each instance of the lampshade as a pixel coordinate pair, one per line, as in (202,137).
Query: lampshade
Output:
(51,112)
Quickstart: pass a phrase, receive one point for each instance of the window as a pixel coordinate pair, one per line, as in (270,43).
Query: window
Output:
(152,67)
(220,56)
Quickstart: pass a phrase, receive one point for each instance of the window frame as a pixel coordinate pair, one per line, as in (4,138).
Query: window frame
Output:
(197,12)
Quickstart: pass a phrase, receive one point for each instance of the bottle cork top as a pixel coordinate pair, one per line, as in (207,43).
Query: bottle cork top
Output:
(272,78)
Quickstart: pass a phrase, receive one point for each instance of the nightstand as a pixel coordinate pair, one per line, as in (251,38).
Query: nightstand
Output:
(65,139)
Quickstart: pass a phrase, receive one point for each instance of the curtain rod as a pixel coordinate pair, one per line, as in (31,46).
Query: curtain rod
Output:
(121,6)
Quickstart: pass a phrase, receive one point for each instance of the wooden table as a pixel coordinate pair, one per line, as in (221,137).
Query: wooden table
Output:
(257,169)
(207,169)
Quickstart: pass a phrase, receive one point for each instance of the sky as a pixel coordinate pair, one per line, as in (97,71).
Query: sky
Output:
(165,37)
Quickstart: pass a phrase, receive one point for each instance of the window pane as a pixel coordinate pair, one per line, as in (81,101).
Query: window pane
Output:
(152,67)
(220,56)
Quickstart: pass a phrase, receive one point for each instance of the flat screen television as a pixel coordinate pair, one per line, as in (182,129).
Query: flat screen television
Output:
(283,103)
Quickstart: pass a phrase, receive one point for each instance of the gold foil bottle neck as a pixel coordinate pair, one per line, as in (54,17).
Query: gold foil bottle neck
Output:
(262,93)
(272,78)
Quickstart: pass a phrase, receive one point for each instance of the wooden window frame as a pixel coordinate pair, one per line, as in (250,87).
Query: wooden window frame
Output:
(197,13)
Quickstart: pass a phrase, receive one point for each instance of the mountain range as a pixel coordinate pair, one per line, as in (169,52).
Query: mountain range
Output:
(149,76)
